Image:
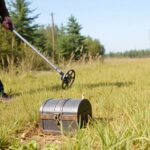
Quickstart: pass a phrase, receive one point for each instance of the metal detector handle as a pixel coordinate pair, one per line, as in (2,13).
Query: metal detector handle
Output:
(34,49)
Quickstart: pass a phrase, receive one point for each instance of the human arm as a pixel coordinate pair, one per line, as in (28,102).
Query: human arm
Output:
(3,10)
(6,20)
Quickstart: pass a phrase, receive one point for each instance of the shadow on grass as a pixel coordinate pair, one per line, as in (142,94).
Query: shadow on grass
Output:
(32,91)
(58,87)
(104,84)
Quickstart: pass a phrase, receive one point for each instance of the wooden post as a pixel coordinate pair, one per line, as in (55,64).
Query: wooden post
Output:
(53,39)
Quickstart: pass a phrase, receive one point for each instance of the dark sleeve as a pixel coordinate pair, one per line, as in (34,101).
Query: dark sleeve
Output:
(3,9)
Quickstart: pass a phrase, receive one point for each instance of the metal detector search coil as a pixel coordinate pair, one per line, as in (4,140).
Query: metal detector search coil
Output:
(67,78)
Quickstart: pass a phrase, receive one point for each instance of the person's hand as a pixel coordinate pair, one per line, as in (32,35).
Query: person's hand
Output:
(7,23)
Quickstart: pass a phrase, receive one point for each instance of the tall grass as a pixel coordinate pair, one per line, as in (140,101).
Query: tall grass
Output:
(117,89)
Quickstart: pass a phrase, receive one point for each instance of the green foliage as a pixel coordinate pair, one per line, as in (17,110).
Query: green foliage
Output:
(31,145)
(40,39)
(52,146)
(9,52)
(58,43)
(94,47)
(21,16)
(49,39)
(131,54)
(3,137)
(71,41)
(24,23)
(12,50)
(73,26)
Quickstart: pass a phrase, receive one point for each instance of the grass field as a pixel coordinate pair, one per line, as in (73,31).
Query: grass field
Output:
(118,89)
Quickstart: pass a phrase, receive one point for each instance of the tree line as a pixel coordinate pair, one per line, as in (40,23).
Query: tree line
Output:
(59,43)
(131,54)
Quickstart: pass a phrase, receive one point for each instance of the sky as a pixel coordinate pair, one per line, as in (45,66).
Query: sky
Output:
(120,25)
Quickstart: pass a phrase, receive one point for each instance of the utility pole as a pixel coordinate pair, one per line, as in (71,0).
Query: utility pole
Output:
(149,38)
(53,38)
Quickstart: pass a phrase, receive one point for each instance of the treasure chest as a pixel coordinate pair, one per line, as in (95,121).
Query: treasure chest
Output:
(64,115)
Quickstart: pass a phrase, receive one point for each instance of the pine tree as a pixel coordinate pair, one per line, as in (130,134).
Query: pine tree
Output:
(72,41)
(21,16)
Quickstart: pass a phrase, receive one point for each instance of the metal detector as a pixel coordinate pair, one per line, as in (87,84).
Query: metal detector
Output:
(67,78)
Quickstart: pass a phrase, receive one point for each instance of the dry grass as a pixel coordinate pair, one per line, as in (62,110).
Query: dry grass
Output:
(119,91)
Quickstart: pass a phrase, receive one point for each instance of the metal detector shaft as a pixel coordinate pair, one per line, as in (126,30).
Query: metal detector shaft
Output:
(67,78)
(35,50)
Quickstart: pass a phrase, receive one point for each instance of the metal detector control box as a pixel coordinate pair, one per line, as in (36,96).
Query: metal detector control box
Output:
(64,115)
